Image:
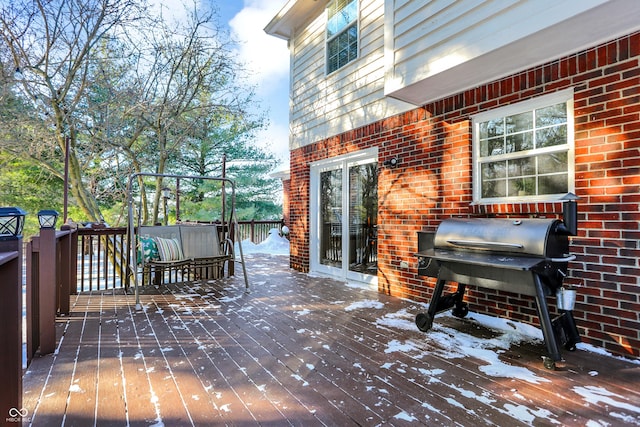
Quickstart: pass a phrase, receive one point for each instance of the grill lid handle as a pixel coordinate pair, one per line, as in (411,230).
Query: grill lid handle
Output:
(484,245)
(563,259)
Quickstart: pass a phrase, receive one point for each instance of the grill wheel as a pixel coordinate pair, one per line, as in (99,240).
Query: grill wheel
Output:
(424,321)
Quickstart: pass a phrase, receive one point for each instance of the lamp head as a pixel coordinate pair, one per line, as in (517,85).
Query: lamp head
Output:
(11,222)
(47,218)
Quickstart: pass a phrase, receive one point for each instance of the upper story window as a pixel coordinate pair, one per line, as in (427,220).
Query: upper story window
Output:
(524,151)
(342,33)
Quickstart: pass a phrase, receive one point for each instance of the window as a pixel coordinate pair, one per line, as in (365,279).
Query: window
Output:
(524,151)
(342,33)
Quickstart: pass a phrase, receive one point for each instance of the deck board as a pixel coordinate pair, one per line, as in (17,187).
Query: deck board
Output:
(296,351)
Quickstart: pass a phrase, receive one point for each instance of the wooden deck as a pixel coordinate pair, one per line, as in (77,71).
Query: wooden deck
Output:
(300,350)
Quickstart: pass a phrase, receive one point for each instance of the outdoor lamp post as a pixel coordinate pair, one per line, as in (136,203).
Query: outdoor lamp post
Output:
(166,193)
(47,218)
(11,222)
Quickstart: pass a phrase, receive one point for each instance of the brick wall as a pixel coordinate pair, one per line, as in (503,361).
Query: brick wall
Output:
(433,181)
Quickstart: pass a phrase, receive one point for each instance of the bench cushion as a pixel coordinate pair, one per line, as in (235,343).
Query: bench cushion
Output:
(147,249)
(169,249)
(200,241)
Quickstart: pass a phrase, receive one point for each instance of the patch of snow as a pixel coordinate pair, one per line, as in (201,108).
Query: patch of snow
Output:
(597,395)
(513,331)
(360,285)
(399,320)
(274,244)
(599,350)
(230,298)
(528,415)
(405,416)
(299,378)
(455,344)
(364,304)
(431,372)
(453,402)
(75,388)
(395,345)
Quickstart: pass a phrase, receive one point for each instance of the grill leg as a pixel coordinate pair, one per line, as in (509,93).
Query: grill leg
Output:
(545,323)
(461,308)
(425,320)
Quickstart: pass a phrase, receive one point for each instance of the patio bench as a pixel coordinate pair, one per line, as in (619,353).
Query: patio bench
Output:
(194,251)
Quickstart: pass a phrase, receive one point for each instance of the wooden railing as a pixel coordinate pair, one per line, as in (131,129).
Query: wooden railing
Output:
(51,259)
(102,258)
(257,231)
(103,253)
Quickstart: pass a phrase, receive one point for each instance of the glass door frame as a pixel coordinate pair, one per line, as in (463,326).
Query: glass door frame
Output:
(316,168)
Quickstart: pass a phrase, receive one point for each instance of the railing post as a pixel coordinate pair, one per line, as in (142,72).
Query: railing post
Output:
(73,254)
(11,330)
(64,271)
(47,290)
(33,333)
(253,231)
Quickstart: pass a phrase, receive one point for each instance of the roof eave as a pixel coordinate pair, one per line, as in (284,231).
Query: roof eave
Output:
(293,15)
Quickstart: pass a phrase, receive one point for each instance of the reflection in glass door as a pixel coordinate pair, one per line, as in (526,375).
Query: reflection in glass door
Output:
(345,217)
(363,218)
(331,218)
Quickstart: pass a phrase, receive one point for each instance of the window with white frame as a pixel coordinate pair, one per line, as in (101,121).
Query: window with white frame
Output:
(342,33)
(524,151)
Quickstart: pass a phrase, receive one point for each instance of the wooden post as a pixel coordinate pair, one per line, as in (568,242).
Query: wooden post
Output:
(11,352)
(47,290)
(73,262)
(64,271)
(33,331)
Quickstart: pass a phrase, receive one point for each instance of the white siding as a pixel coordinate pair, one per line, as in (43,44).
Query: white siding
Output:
(441,47)
(326,105)
(417,51)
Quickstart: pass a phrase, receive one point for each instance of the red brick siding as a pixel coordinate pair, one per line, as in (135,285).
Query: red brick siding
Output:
(433,181)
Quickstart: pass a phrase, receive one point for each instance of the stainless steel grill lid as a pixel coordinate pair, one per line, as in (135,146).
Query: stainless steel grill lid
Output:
(536,237)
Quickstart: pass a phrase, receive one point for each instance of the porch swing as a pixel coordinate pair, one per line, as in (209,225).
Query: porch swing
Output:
(195,251)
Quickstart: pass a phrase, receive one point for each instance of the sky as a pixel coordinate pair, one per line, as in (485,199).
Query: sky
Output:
(266,56)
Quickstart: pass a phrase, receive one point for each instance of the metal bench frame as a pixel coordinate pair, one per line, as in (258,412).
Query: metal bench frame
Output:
(204,255)
(227,239)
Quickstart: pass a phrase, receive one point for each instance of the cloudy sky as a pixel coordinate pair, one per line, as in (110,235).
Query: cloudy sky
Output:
(267,56)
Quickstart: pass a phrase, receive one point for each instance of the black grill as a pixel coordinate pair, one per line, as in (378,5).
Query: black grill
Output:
(525,256)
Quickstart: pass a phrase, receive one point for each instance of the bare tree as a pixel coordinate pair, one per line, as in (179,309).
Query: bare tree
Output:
(126,97)
(184,75)
(51,45)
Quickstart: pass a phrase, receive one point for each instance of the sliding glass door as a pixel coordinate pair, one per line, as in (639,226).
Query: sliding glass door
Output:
(344,214)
